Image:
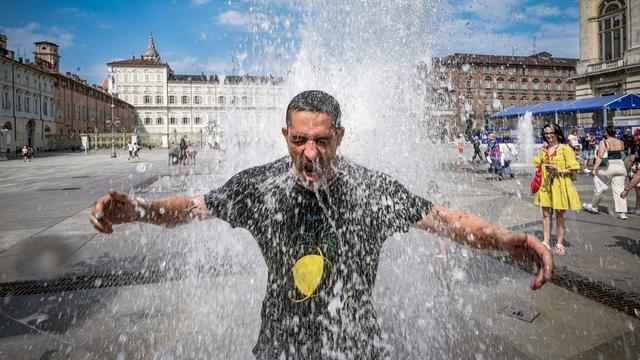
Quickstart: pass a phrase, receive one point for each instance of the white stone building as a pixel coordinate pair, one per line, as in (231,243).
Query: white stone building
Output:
(26,101)
(198,107)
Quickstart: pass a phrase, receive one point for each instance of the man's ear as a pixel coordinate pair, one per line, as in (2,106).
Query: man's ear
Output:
(285,132)
(339,136)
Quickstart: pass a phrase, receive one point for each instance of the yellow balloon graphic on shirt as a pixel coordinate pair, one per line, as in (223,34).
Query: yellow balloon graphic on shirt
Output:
(307,273)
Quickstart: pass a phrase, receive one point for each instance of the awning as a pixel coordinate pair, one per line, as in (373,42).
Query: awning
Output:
(611,102)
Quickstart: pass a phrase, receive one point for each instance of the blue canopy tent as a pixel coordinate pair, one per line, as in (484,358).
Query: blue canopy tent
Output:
(598,103)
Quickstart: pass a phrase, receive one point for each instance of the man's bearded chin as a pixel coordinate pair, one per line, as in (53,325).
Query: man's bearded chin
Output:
(313,174)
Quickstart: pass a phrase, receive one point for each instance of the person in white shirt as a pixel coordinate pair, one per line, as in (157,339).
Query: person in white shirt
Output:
(508,152)
(130,148)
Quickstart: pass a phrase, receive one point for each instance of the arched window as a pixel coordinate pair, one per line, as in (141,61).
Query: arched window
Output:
(611,29)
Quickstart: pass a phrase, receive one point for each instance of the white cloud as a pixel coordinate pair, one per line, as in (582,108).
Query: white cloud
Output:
(74,11)
(200,2)
(24,37)
(253,22)
(235,18)
(184,64)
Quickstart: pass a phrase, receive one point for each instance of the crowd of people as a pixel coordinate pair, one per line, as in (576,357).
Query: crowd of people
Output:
(613,162)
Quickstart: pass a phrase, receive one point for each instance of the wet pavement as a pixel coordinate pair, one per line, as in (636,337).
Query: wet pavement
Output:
(67,292)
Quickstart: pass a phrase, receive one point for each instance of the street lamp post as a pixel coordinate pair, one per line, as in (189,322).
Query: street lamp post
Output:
(114,122)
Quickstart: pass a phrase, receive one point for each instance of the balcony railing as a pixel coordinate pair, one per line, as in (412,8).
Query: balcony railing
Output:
(607,65)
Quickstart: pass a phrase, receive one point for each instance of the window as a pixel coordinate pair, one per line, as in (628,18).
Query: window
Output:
(221,100)
(500,84)
(570,86)
(147,121)
(611,29)
(546,86)
(536,86)
(27,104)
(197,100)
(172,121)
(523,71)
(524,86)
(6,104)
(512,71)
(158,77)
(512,85)
(185,120)
(159,121)
(172,99)
(184,99)
(146,77)
(487,70)
(196,120)
(245,101)
(546,72)
(147,99)
(44,107)
(126,77)
(158,99)
(500,70)
(487,84)
(559,87)
(135,77)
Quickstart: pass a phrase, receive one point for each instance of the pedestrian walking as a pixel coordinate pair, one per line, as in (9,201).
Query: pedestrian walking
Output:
(609,155)
(557,192)
(477,141)
(588,148)
(628,140)
(493,156)
(460,145)
(508,152)
(24,153)
(574,142)
(130,148)
(136,149)
(633,170)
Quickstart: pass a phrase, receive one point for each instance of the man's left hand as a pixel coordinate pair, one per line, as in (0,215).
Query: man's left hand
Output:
(529,249)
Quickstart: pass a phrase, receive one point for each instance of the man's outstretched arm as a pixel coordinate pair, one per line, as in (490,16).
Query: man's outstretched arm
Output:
(469,229)
(120,208)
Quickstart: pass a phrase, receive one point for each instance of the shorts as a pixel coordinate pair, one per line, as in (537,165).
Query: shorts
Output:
(587,154)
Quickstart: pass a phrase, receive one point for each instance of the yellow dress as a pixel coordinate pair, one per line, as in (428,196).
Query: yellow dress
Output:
(557,192)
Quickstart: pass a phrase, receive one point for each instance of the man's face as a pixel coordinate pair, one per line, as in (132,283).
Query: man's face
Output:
(312,144)
(627,132)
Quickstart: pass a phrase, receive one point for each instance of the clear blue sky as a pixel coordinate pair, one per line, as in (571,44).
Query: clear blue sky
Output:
(215,37)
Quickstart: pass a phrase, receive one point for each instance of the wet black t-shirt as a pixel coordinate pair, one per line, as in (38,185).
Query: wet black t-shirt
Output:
(321,249)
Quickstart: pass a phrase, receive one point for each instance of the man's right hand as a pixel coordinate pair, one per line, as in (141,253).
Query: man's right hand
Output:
(112,209)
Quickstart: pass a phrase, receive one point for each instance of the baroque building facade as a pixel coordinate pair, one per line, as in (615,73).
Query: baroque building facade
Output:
(609,54)
(47,110)
(474,86)
(198,108)
(27,103)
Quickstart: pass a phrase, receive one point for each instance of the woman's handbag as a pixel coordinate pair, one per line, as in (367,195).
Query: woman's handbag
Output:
(536,180)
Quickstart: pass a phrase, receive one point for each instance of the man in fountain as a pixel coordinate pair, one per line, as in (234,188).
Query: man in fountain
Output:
(320,221)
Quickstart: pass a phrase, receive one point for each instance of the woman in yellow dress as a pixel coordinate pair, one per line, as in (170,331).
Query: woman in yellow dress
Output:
(557,192)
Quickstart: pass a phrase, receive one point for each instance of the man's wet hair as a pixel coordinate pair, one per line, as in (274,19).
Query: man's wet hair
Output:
(316,101)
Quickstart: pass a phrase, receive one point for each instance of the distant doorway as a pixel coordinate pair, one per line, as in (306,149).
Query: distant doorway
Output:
(31,132)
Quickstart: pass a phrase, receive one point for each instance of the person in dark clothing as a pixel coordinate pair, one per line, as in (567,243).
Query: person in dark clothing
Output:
(628,140)
(320,221)
(477,141)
